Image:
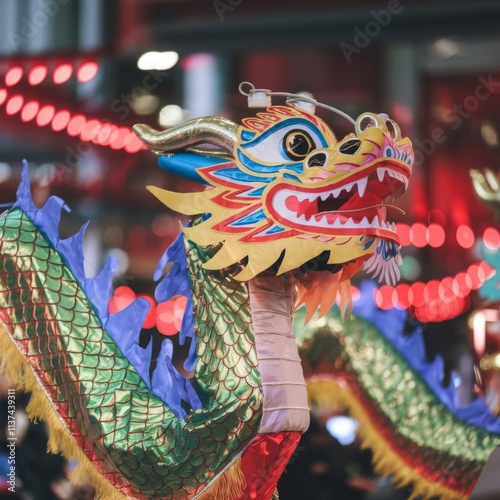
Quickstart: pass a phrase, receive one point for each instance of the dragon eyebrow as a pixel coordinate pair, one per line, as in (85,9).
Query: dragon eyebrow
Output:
(260,98)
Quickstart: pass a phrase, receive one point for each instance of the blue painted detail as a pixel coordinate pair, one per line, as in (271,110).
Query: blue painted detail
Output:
(368,244)
(250,219)
(247,135)
(125,326)
(237,175)
(187,164)
(274,230)
(268,169)
(292,177)
(256,193)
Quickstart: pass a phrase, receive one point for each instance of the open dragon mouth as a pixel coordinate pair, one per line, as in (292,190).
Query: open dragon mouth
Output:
(356,205)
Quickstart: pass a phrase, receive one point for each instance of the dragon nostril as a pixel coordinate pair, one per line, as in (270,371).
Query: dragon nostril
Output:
(317,160)
(350,147)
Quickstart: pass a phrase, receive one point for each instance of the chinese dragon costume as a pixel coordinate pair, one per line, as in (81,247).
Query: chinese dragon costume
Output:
(285,215)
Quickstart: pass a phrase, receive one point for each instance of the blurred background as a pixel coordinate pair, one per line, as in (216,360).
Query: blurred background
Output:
(75,75)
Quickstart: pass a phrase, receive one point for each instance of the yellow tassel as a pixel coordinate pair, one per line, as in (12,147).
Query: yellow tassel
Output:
(17,370)
(328,394)
(227,486)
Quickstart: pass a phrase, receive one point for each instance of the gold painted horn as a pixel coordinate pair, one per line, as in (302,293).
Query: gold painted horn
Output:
(214,130)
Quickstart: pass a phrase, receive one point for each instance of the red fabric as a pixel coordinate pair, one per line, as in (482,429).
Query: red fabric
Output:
(264,461)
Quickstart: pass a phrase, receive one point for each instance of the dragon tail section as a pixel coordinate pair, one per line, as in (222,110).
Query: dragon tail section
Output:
(417,434)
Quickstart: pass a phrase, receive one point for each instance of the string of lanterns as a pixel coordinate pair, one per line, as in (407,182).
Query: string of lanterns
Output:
(439,299)
(100,132)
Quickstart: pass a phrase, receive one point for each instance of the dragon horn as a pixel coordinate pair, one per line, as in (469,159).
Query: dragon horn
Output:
(213,130)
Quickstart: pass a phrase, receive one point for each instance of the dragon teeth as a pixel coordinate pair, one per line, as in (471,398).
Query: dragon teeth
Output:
(362,183)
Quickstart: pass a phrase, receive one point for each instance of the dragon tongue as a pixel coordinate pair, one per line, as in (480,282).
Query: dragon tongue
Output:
(301,207)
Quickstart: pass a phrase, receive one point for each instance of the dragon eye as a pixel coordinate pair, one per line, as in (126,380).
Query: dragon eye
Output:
(297,144)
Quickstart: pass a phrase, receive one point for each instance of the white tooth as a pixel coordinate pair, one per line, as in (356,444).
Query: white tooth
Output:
(375,222)
(393,227)
(364,222)
(302,218)
(349,222)
(336,192)
(380,174)
(337,223)
(362,183)
(324,196)
(348,187)
(382,224)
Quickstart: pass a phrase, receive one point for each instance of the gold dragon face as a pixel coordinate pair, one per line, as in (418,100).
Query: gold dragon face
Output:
(286,193)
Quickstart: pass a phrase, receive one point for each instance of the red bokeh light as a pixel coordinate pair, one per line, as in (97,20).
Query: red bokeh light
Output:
(491,238)
(418,235)
(465,236)
(119,140)
(87,71)
(150,320)
(445,290)
(37,74)
(403,231)
(90,130)
(62,73)
(132,143)
(416,294)
(13,75)
(60,120)
(385,298)
(402,293)
(3,96)
(45,115)
(75,125)
(488,270)
(477,275)
(30,110)
(431,290)
(436,235)
(14,104)
(170,314)
(122,298)
(106,134)
(462,285)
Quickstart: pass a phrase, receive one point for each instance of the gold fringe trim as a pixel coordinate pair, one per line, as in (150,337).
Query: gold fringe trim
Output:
(327,394)
(228,486)
(17,370)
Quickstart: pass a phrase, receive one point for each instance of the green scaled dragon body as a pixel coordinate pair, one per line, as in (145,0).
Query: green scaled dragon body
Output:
(74,368)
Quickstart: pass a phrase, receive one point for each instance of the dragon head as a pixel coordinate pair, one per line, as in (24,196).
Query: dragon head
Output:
(284,193)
